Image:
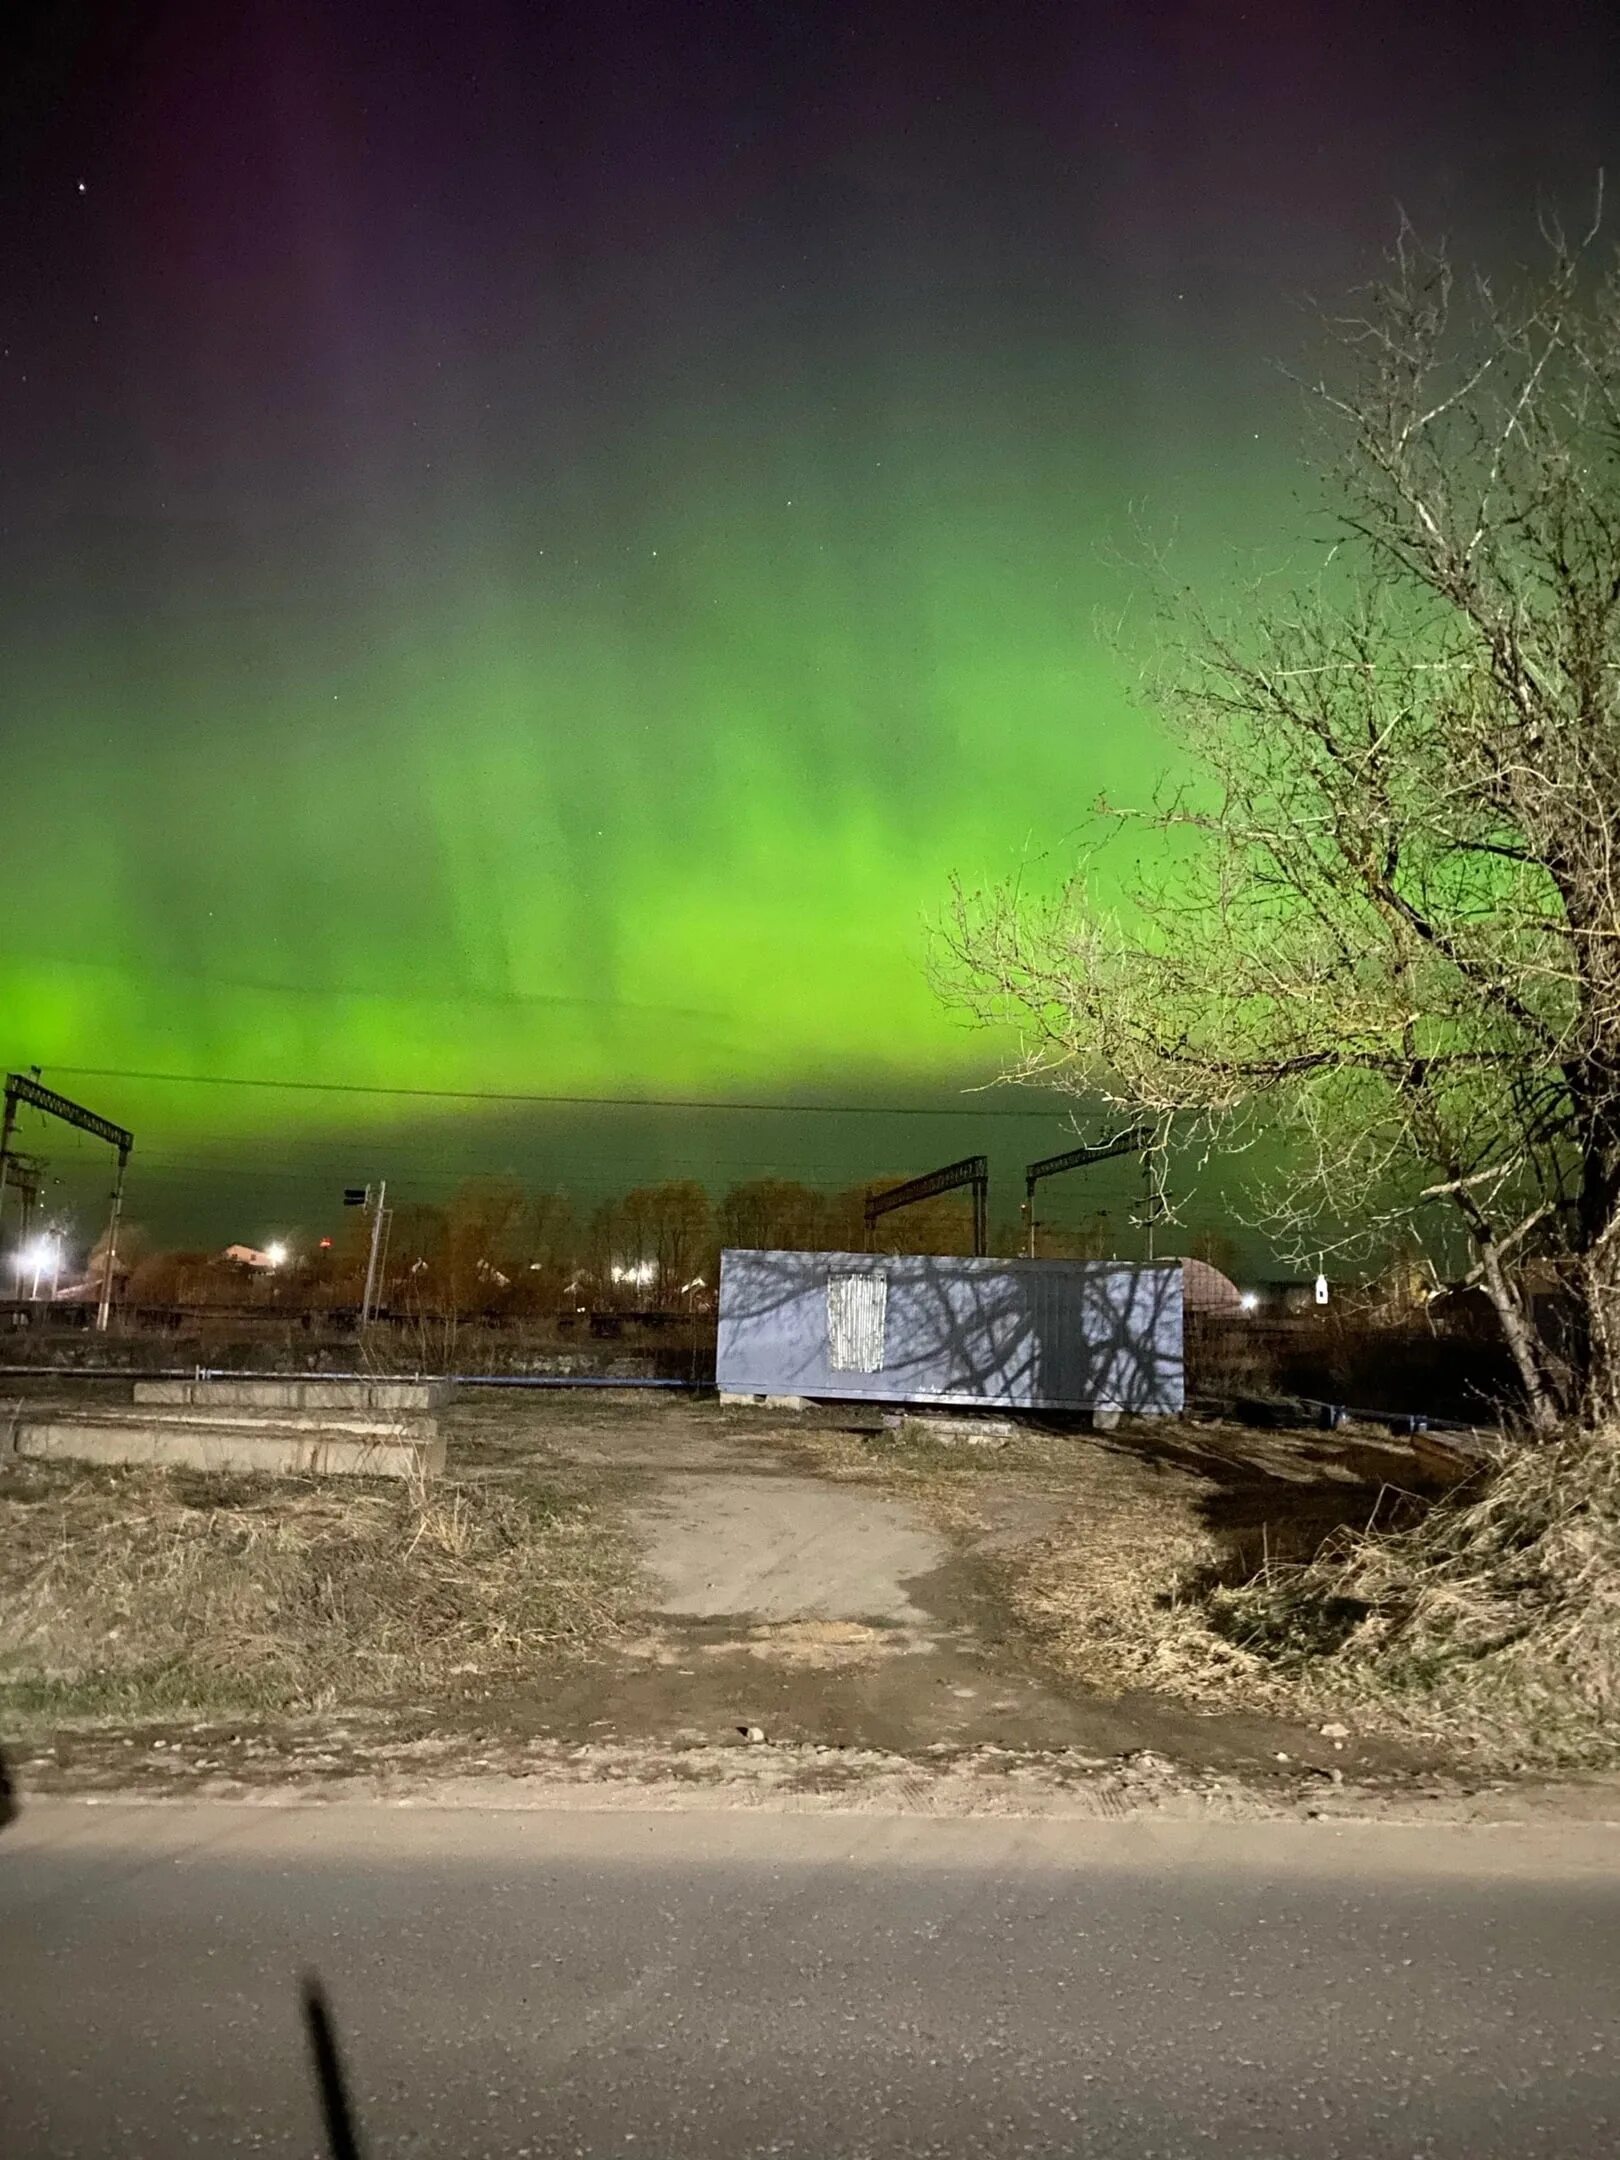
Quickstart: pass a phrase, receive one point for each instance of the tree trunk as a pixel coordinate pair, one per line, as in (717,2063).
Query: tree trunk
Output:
(1541,1393)
(1596,1274)
(1600,1318)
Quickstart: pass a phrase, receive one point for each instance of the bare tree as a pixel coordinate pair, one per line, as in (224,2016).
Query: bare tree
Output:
(548,1253)
(483,1244)
(665,1240)
(771,1215)
(1383,921)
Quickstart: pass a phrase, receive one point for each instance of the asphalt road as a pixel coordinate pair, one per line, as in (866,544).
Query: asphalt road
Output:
(717,1985)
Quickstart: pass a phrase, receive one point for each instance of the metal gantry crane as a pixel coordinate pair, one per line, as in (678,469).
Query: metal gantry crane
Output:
(24,1088)
(25,1176)
(1135,1142)
(972,1170)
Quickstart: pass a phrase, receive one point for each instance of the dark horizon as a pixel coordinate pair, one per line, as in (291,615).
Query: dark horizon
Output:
(234,1190)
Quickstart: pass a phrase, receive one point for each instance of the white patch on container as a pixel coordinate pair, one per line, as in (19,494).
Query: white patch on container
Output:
(857,1315)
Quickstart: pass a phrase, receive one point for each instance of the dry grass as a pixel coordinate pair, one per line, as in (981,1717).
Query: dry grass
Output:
(1488,1625)
(127,1593)
(909,1455)
(1493,1623)
(1114,1597)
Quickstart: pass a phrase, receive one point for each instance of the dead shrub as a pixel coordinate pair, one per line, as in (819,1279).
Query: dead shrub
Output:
(1494,1622)
(1114,1598)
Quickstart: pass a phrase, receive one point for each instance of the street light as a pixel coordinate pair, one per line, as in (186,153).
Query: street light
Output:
(44,1254)
(276,1254)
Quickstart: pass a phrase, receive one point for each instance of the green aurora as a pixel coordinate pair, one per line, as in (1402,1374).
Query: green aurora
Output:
(532,558)
(653,805)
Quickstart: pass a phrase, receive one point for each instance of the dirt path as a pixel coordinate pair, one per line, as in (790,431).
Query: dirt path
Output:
(775,1547)
(836,1616)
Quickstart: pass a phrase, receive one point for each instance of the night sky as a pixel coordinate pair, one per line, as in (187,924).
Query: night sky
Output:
(535,538)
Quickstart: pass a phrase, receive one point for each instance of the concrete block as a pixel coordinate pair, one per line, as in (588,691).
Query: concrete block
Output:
(294,1394)
(959,1431)
(278,1447)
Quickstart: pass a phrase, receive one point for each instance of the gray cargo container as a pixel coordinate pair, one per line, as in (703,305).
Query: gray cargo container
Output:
(883,1327)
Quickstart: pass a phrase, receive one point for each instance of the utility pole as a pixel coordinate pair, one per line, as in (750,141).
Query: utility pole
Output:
(1153,1172)
(8,1121)
(110,1261)
(24,1175)
(379,1213)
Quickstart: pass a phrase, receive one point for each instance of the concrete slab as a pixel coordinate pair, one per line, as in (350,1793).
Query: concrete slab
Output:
(354,1422)
(292,1394)
(311,1447)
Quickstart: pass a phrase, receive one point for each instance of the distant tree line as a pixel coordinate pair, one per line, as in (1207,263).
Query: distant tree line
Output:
(498,1250)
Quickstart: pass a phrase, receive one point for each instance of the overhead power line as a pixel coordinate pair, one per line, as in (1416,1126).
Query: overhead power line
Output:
(593,1102)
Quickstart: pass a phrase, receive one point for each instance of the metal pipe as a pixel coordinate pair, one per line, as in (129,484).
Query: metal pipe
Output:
(579,1380)
(223,1372)
(564,1380)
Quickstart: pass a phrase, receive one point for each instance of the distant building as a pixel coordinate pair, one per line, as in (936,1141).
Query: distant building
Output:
(1204,1289)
